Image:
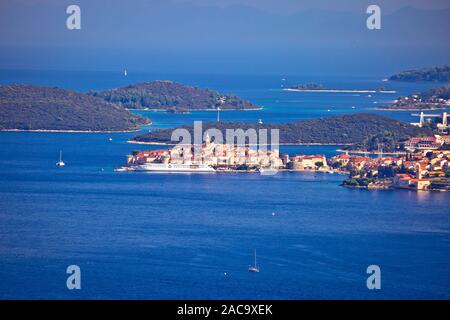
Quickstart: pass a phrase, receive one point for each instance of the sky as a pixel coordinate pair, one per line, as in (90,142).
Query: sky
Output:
(232,36)
(286,7)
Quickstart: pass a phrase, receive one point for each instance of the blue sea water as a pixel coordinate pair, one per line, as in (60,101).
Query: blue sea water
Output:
(192,236)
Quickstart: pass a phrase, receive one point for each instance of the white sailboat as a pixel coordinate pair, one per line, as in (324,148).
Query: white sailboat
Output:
(60,163)
(255,267)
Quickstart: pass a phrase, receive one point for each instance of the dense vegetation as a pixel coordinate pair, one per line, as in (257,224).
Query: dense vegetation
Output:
(27,107)
(364,130)
(171,96)
(433,74)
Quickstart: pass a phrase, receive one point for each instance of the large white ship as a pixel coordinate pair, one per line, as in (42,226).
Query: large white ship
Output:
(171,167)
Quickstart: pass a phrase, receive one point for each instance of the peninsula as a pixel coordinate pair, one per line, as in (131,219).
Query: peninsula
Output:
(423,166)
(430,74)
(363,130)
(36,108)
(173,97)
(434,99)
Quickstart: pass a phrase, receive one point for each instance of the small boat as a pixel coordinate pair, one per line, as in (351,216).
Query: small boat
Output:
(125,72)
(260,121)
(60,163)
(123,169)
(255,267)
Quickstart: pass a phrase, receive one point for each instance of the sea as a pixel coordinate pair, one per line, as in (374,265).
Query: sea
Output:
(193,236)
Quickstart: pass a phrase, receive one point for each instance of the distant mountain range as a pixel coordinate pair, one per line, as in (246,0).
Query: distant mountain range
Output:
(28,107)
(362,129)
(429,74)
(168,36)
(172,96)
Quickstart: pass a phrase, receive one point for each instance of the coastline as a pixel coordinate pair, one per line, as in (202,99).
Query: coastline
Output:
(69,131)
(388,109)
(192,110)
(340,90)
(328,171)
(281,144)
(371,152)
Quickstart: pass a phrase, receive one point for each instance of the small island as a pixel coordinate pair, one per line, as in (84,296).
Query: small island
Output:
(429,74)
(36,108)
(172,97)
(434,99)
(314,87)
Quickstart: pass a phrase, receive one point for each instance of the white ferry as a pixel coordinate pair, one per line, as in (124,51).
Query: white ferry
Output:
(170,167)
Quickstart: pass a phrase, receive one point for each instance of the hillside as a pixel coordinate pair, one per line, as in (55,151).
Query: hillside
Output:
(27,107)
(172,96)
(431,74)
(363,129)
(440,93)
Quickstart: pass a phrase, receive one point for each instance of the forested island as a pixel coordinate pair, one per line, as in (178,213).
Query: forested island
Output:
(361,131)
(28,107)
(429,74)
(434,99)
(172,96)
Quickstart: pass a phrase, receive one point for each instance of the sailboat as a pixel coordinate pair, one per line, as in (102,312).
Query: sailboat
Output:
(255,267)
(125,72)
(60,163)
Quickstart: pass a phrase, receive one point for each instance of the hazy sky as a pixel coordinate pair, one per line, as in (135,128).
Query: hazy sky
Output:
(291,6)
(249,36)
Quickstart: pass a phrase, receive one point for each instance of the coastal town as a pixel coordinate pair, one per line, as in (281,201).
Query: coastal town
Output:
(423,165)
(433,99)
